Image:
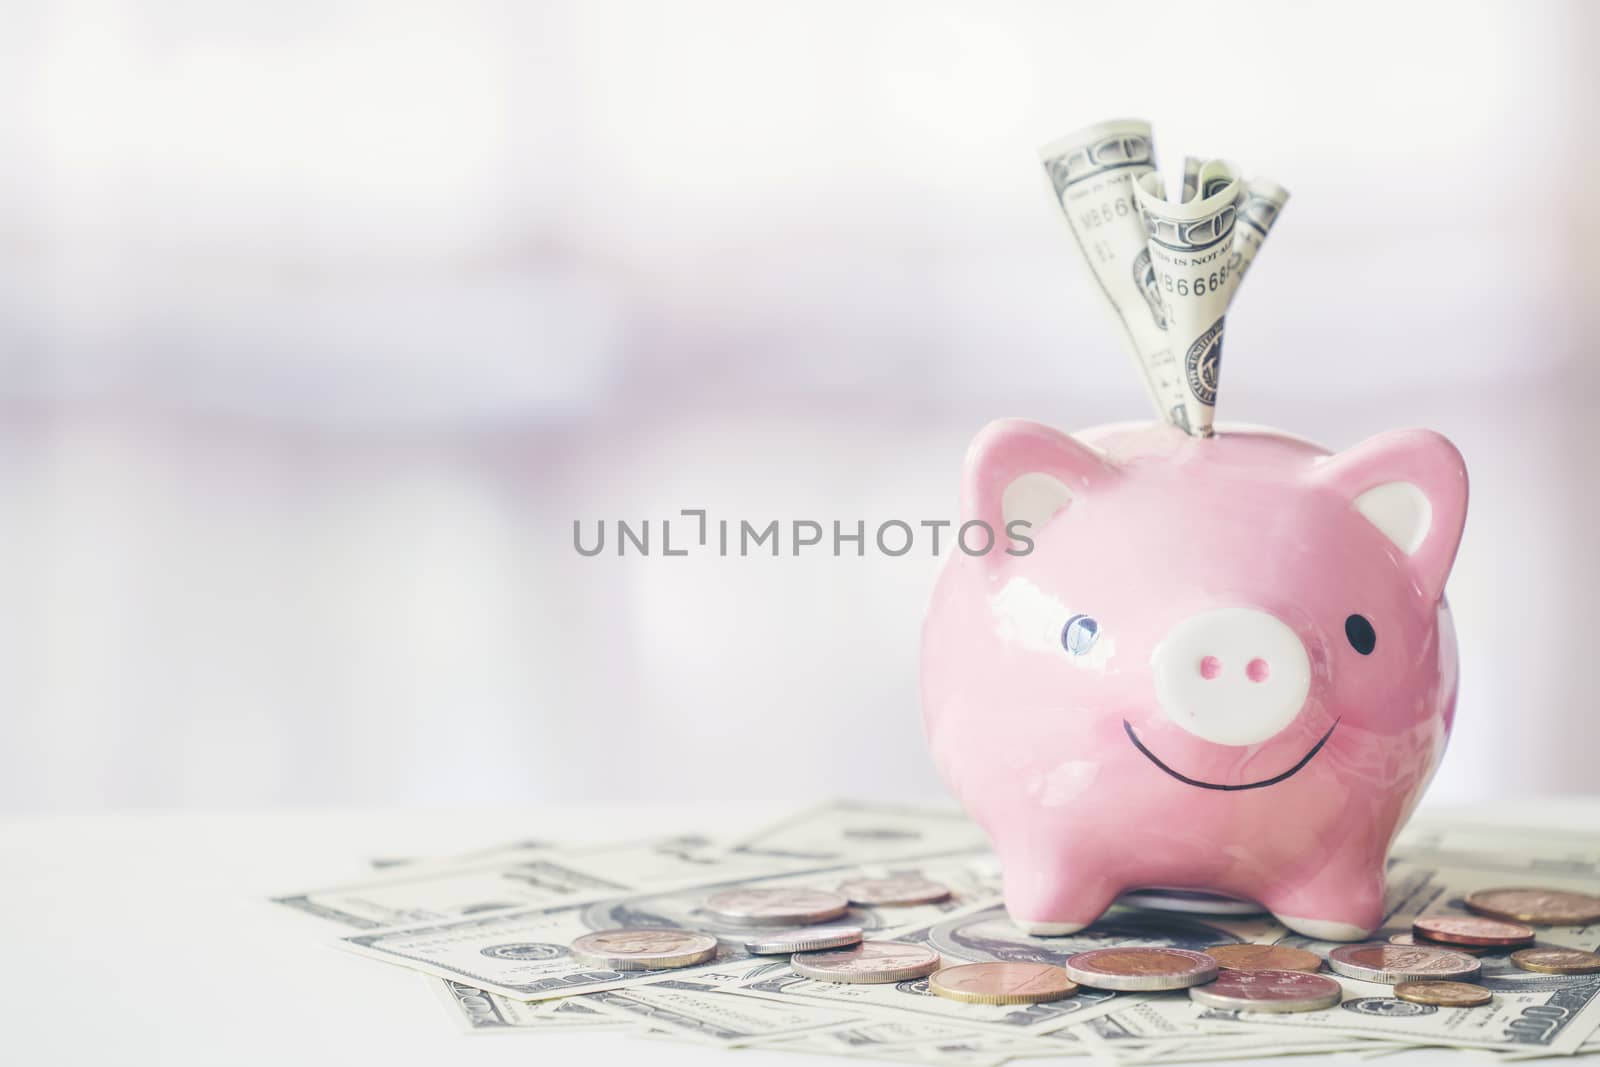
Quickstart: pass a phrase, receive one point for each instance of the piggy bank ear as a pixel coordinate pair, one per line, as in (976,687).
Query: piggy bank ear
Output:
(1021,470)
(1411,485)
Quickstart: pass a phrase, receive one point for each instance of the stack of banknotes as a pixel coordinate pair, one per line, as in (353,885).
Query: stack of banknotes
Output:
(1169,266)
(491,930)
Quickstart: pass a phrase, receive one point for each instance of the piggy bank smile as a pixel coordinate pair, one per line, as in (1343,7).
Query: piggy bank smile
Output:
(1232,676)
(1186,780)
(1226,664)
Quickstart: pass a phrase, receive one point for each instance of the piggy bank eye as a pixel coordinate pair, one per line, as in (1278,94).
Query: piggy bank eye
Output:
(1359,632)
(1079,634)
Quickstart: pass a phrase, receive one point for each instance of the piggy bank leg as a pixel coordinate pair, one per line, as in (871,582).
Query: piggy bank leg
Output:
(1335,906)
(1048,895)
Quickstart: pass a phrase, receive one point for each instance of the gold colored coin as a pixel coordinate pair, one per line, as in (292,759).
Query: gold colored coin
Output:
(1557,960)
(1543,907)
(1003,983)
(1264,958)
(1443,994)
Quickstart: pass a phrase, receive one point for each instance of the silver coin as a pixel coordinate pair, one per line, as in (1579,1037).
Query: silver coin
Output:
(1393,964)
(1137,968)
(1268,991)
(777,907)
(805,939)
(869,963)
(894,891)
(1193,901)
(643,949)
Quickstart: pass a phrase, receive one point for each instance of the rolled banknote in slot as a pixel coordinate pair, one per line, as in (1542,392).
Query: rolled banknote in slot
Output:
(1191,178)
(1093,172)
(1263,199)
(1191,252)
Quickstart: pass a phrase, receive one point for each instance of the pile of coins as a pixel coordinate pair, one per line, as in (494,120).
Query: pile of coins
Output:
(817,946)
(1433,964)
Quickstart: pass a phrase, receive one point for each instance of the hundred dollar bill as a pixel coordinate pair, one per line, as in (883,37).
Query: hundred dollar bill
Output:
(1191,251)
(870,1035)
(1550,1014)
(858,1044)
(527,873)
(1263,200)
(1191,177)
(982,933)
(917,1041)
(847,832)
(1512,849)
(1550,1018)
(425,892)
(479,1012)
(1093,172)
(522,953)
(1165,1028)
(507,848)
(697,1010)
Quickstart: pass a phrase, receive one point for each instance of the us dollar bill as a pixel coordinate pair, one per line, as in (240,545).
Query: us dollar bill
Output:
(983,933)
(522,953)
(1514,850)
(842,831)
(913,1041)
(1094,172)
(1191,177)
(1166,1028)
(520,874)
(479,1012)
(1546,1013)
(1519,1017)
(1191,259)
(698,1010)
(429,891)
(1263,200)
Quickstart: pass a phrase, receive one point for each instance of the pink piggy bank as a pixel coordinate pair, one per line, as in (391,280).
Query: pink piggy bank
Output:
(1225,664)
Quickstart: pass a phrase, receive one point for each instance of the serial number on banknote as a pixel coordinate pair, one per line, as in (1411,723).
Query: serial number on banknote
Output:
(1101,214)
(1206,283)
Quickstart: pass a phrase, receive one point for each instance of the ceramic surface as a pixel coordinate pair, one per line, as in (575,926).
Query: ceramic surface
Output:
(1225,664)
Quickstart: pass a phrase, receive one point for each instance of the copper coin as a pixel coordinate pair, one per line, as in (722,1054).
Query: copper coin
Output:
(897,891)
(777,907)
(1471,930)
(643,949)
(1408,940)
(1542,907)
(1003,983)
(1392,964)
(1140,969)
(1557,960)
(1278,991)
(1264,958)
(1443,994)
(871,962)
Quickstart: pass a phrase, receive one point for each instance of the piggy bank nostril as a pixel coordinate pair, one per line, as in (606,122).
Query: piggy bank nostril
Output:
(1232,676)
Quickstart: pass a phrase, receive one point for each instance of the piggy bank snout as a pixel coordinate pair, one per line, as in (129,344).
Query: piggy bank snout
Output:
(1234,676)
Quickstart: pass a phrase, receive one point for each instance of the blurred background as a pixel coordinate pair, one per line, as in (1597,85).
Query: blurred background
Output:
(321,323)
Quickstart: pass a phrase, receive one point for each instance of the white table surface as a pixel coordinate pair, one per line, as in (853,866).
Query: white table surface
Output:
(147,938)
